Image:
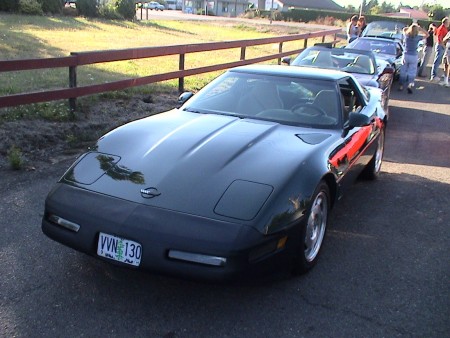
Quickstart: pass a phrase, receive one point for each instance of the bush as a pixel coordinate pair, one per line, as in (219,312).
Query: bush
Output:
(69,11)
(109,11)
(51,6)
(15,158)
(126,8)
(87,8)
(31,7)
(9,5)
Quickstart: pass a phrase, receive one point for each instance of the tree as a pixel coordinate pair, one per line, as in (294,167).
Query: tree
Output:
(437,12)
(51,6)
(88,8)
(9,5)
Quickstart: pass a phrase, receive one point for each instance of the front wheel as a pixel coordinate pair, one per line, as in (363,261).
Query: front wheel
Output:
(313,231)
(373,168)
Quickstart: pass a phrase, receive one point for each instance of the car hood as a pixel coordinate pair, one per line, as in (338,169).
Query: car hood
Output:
(202,164)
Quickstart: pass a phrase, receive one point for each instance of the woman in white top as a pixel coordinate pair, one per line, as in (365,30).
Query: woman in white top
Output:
(352,29)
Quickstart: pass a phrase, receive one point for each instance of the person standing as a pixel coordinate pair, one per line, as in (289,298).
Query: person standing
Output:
(428,50)
(362,24)
(440,33)
(410,60)
(352,29)
(446,40)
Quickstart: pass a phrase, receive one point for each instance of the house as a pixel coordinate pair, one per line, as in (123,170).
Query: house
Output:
(406,12)
(285,5)
(233,8)
(230,8)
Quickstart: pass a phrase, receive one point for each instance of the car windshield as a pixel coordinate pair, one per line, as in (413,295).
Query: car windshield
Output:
(384,29)
(286,100)
(378,46)
(348,60)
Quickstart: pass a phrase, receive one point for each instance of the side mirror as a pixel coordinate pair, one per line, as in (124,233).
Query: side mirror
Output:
(286,60)
(184,97)
(358,120)
(355,120)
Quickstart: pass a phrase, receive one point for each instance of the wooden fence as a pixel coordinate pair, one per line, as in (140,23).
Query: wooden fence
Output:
(87,58)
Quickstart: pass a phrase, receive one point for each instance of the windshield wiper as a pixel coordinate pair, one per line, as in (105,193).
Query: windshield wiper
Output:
(213,112)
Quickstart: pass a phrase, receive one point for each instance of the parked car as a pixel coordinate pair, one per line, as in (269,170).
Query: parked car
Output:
(389,50)
(239,180)
(385,29)
(153,5)
(392,30)
(365,67)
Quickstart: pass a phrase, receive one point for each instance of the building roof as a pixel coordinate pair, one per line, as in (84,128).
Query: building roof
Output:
(409,13)
(312,4)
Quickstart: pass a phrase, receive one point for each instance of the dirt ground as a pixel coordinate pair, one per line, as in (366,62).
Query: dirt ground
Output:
(42,142)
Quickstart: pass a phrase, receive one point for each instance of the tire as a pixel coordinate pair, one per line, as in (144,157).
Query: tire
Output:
(372,170)
(313,230)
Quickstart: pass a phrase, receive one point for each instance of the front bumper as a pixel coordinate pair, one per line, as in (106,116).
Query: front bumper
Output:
(169,239)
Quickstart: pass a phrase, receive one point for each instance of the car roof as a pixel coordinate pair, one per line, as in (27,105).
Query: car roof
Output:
(301,72)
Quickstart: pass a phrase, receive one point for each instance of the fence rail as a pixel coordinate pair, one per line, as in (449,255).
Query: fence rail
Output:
(87,58)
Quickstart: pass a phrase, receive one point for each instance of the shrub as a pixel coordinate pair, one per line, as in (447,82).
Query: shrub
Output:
(109,12)
(9,5)
(15,158)
(69,11)
(87,8)
(126,8)
(31,7)
(51,6)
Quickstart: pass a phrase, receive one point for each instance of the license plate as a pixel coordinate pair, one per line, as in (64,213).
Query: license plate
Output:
(119,249)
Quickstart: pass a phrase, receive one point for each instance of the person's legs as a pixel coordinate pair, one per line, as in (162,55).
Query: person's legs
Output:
(446,70)
(425,61)
(411,62)
(439,51)
(403,73)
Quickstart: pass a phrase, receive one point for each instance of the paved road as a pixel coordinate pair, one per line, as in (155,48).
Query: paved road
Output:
(178,15)
(384,271)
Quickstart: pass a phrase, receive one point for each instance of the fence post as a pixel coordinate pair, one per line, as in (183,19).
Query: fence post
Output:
(242,53)
(323,39)
(181,79)
(72,84)
(280,50)
(305,43)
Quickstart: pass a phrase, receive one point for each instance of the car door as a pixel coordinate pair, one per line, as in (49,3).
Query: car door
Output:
(356,146)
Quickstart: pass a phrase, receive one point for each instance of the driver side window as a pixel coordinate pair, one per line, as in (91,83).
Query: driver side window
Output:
(350,98)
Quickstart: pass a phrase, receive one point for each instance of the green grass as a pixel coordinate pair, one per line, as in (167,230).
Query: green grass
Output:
(42,37)
(15,158)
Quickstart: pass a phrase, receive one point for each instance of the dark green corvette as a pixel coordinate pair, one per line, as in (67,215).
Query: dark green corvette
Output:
(237,181)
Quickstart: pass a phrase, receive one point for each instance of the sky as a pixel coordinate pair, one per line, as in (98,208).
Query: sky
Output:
(412,3)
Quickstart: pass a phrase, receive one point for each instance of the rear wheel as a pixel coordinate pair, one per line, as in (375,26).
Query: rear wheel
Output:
(313,231)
